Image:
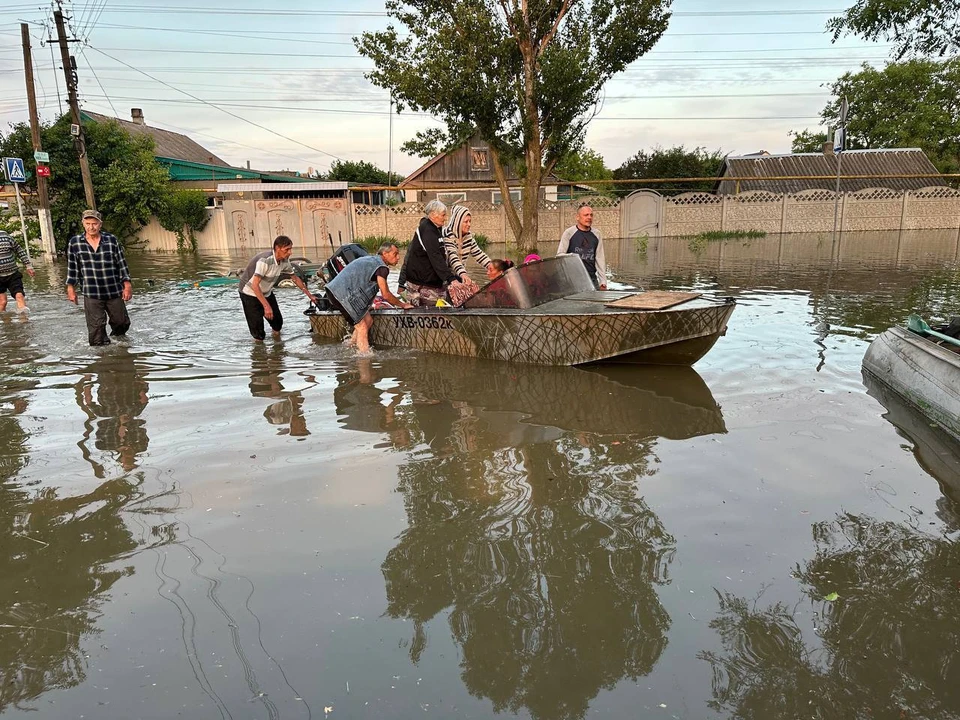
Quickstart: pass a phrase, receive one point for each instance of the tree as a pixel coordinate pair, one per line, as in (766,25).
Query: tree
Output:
(675,162)
(360,172)
(916,27)
(428,143)
(908,104)
(129,183)
(184,212)
(584,165)
(807,141)
(526,74)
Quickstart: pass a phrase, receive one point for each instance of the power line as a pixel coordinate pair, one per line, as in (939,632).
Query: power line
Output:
(238,117)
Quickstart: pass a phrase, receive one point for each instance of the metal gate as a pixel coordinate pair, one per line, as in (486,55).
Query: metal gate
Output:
(641,213)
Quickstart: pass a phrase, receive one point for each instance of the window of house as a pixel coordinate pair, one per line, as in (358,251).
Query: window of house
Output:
(479,159)
(451,198)
(497,199)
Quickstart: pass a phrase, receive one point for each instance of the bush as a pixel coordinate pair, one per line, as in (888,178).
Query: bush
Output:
(482,240)
(372,243)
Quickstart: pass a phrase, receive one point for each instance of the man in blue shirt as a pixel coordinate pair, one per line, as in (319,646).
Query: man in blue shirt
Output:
(96,263)
(583,240)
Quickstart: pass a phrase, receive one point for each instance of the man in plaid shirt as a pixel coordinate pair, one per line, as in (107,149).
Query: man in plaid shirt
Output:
(10,278)
(95,261)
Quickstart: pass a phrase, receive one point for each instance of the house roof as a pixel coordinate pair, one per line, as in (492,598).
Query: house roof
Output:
(413,179)
(167,144)
(901,161)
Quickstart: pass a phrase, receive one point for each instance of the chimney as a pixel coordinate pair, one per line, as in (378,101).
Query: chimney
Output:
(248,164)
(136,114)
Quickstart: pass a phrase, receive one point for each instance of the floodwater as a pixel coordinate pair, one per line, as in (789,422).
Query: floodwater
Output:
(194,526)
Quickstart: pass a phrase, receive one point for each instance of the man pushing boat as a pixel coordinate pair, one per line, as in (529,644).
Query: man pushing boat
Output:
(353,289)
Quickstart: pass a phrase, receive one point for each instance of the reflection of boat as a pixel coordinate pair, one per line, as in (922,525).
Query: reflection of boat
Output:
(670,402)
(936,452)
(547,313)
(922,372)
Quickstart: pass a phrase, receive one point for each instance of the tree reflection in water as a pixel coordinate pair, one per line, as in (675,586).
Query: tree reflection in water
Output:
(56,549)
(534,535)
(889,646)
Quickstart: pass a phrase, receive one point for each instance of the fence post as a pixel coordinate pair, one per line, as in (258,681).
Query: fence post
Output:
(903,208)
(783,214)
(723,212)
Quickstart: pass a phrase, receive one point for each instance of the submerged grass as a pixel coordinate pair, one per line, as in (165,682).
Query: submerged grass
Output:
(698,243)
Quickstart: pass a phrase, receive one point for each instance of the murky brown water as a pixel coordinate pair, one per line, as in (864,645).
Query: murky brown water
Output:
(193,526)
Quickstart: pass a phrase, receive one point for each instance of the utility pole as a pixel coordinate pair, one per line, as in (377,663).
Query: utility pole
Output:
(46,227)
(70,74)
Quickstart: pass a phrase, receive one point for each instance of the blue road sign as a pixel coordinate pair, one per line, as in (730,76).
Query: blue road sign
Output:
(14,169)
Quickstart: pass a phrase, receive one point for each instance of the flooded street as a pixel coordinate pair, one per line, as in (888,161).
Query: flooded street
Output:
(195,526)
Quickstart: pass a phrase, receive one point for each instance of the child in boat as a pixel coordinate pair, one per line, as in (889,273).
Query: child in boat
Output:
(498,267)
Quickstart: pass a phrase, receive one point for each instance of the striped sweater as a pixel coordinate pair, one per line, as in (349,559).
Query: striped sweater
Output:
(458,246)
(10,250)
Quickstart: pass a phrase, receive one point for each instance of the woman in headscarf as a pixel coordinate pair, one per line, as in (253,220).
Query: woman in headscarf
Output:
(458,244)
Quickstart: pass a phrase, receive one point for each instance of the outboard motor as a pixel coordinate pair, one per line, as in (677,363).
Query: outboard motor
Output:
(330,269)
(340,259)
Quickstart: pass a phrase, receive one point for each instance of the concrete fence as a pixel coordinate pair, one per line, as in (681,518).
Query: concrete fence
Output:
(687,214)
(693,213)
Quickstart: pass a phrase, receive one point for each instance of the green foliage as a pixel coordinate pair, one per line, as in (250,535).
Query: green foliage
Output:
(129,184)
(360,171)
(643,243)
(184,212)
(429,143)
(908,104)
(698,243)
(807,141)
(526,76)
(916,27)
(586,164)
(675,162)
(372,243)
(10,224)
(481,240)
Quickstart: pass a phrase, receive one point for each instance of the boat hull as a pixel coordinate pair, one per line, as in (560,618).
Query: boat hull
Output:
(921,372)
(678,336)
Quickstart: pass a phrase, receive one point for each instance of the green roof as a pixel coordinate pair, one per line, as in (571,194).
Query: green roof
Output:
(186,170)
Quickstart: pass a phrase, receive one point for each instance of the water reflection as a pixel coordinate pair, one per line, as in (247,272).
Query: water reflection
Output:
(267,366)
(887,647)
(936,452)
(54,554)
(527,524)
(112,392)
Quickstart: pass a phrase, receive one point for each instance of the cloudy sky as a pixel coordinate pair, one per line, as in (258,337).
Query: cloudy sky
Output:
(285,88)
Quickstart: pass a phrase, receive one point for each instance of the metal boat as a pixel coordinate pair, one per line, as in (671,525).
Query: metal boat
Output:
(548,313)
(922,372)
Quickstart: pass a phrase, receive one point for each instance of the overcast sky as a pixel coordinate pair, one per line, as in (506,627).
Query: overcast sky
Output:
(734,76)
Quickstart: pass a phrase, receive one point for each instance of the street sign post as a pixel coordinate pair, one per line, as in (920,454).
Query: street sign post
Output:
(14,169)
(41,156)
(17,174)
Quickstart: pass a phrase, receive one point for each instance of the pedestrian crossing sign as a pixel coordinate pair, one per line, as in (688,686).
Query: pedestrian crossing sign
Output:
(14,169)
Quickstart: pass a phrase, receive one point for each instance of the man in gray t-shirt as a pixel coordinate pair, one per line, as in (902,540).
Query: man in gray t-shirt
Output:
(256,287)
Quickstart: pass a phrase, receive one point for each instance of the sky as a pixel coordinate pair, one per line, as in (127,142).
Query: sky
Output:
(285,88)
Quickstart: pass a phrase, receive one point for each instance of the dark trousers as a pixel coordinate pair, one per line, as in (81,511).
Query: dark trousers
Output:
(98,311)
(253,312)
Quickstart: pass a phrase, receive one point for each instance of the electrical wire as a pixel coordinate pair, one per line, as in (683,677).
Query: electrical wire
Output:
(227,112)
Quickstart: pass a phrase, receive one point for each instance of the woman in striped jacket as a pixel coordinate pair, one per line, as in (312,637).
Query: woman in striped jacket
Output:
(458,244)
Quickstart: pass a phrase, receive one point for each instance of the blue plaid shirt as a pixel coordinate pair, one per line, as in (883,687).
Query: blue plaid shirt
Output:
(99,274)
